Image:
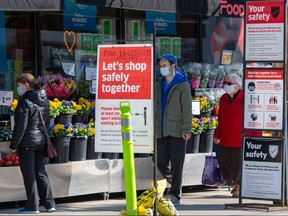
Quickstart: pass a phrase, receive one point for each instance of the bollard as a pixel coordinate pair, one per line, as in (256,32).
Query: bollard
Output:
(128,156)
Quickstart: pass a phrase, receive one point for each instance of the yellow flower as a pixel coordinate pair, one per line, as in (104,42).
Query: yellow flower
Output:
(92,131)
(14,104)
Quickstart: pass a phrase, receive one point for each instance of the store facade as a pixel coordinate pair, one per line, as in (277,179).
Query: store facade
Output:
(61,37)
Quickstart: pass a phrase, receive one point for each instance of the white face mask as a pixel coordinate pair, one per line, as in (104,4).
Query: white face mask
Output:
(165,71)
(229,89)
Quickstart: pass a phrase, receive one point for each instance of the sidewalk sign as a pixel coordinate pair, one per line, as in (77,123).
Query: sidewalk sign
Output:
(263,170)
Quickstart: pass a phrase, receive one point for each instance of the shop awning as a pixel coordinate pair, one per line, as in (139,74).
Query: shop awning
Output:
(192,7)
(31,5)
(151,5)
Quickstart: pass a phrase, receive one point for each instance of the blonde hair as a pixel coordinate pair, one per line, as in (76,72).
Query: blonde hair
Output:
(27,78)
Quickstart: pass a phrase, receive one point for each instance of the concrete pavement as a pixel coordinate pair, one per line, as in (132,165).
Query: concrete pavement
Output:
(198,201)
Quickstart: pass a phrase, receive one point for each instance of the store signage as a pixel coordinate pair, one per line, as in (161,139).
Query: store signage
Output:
(165,23)
(124,72)
(262,168)
(264,92)
(6,98)
(79,17)
(231,9)
(264,32)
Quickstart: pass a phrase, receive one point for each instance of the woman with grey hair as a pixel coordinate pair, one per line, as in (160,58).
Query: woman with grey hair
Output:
(229,131)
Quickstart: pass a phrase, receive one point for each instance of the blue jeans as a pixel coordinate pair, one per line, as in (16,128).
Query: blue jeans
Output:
(170,160)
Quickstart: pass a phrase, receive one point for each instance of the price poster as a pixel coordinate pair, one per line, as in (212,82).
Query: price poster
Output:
(6,98)
(124,73)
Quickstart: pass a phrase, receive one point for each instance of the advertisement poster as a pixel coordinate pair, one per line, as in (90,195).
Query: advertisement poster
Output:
(262,168)
(264,32)
(165,23)
(124,73)
(264,91)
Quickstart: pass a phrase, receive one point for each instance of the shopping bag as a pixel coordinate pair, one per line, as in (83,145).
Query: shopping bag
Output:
(50,149)
(211,174)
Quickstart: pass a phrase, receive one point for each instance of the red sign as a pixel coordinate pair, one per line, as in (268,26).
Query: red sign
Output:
(124,72)
(264,12)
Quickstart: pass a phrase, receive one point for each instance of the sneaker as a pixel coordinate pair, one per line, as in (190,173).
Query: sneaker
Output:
(175,200)
(52,209)
(27,211)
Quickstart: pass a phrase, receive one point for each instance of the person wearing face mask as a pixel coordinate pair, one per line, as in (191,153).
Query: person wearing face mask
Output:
(228,133)
(172,123)
(29,139)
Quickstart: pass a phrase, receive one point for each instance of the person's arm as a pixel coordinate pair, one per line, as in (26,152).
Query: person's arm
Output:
(21,122)
(186,105)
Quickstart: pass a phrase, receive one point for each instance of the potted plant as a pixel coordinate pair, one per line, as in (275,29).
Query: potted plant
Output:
(196,130)
(78,143)
(205,106)
(91,154)
(61,135)
(66,110)
(83,108)
(209,125)
(13,106)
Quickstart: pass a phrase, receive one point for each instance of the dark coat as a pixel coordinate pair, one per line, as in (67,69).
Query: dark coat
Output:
(28,131)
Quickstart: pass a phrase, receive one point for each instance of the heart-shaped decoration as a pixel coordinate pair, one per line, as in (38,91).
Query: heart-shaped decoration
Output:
(69,36)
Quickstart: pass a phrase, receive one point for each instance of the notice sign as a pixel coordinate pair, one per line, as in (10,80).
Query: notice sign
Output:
(264,91)
(264,32)
(262,168)
(124,73)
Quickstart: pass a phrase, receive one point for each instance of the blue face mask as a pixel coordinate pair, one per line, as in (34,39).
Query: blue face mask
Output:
(20,91)
(165,71)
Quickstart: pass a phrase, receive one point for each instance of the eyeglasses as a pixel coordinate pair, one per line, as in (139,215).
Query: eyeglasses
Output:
(229,83)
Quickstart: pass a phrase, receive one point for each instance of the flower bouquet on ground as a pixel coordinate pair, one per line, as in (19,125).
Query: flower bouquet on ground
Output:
(57,86)
(60,130)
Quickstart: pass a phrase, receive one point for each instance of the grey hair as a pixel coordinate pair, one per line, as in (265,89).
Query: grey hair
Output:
(235,77)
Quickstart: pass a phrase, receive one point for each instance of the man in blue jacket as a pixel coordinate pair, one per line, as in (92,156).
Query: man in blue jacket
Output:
(172,123)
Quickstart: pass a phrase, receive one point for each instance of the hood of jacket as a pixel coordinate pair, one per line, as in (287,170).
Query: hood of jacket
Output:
(38,97)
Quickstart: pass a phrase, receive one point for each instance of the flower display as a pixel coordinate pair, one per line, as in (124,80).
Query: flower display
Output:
(54,108)
(196,126)
(82,90)
(209,122)
(67,108)
(60,130)
(57,86)
(205,104)
(80,130)
(13,106)
(83,107)
(91,127)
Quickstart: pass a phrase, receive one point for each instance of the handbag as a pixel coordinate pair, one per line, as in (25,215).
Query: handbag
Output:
(50,149)
(211,174)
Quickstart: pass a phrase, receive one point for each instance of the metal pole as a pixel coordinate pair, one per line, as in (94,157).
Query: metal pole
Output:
(155,107)
(128,155)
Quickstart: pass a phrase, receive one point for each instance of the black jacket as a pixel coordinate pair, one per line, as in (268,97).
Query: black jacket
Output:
(28,131)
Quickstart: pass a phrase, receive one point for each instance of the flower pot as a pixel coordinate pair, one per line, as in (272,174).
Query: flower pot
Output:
(193,143)
(62,144)
(206,141)
(78,149)
(12,122)
(207,113)
(80,119)
(91,154)
(63,119)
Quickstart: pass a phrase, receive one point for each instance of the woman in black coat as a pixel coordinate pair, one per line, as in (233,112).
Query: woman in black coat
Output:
(29,140)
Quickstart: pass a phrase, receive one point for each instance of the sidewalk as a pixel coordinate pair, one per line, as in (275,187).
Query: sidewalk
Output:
(206,201)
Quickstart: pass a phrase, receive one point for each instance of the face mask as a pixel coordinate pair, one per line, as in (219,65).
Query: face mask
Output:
(20,91)
(229,89)
(165,71)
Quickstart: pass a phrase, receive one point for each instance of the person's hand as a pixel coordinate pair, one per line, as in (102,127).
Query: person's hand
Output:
(186,136)
(216,141)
